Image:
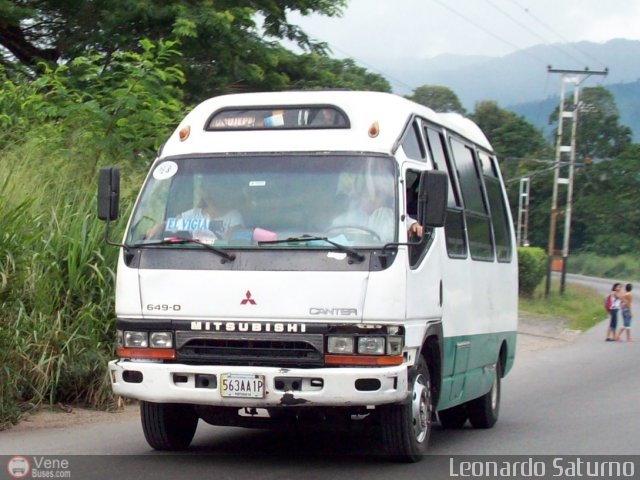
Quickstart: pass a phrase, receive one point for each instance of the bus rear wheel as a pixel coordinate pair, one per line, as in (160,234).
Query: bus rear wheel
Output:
(406,428)
(483,411)
(454,417)
(168,426)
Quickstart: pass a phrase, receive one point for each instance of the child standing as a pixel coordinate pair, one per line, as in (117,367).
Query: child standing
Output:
(613,306)
(625,301)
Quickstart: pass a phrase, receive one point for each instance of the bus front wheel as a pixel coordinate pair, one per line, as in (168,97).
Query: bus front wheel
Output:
(406,428)
(168,426)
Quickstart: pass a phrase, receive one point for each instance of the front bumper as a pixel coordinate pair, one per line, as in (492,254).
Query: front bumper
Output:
(200,384)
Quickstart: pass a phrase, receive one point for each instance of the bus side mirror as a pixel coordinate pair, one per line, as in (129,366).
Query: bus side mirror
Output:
(108,193)
(432,198)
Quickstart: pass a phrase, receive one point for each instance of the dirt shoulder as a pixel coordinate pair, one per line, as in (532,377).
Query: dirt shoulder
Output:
(62,416)
(534,334)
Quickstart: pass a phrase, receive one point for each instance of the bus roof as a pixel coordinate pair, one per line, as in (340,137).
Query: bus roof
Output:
(374,122)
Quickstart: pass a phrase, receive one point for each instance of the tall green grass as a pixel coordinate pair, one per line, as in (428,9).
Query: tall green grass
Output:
(56,289)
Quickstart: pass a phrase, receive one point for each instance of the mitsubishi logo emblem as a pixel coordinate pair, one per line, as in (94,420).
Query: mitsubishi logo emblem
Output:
(248,299)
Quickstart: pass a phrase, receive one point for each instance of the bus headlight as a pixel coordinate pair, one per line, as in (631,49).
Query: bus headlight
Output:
(136,339)
(161,340)
(340,344)
(371,345)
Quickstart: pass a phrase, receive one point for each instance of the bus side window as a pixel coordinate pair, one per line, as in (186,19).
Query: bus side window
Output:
(475,208)
(454,226)
(412,143)
(498,207)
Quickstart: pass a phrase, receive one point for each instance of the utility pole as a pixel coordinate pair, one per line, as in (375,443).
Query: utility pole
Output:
(523,212)
(557,259)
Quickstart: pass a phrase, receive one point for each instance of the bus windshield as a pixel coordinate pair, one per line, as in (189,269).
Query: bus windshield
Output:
(264,200)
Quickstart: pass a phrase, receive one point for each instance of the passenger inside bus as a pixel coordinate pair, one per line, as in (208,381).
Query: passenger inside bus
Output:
(326,117)
(213,218)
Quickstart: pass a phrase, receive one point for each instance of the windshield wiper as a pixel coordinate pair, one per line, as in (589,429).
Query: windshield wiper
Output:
(310,238)
(182,241)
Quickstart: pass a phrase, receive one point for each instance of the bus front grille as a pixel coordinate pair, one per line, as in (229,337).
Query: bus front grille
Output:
(216,348)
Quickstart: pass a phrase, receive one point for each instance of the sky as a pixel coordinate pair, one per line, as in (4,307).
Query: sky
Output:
(372,31)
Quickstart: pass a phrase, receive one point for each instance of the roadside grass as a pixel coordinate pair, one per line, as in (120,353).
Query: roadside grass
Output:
(57,323)
(582,306)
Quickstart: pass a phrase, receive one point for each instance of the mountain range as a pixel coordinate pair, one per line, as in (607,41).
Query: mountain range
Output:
(520,82)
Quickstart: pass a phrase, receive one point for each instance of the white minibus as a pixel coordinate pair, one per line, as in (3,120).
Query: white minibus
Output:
(332,258)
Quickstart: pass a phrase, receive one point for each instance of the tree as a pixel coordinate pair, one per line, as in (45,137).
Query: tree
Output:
(313,70)
(87,110)
(607,208)
(438,98)
(510,134)
(223,46)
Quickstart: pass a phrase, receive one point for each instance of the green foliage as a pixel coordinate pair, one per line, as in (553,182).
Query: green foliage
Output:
(56,272)
(438,98)
(510,134)
(314,71)
(607,207)
(133,102)
(226,44)
(532,263)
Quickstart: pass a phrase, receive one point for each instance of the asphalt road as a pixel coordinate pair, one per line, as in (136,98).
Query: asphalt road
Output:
(601,285)
(581,398)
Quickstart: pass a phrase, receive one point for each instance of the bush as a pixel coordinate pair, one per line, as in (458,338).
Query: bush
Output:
(532,269)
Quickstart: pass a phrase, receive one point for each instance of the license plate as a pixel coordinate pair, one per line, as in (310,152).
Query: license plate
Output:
(242,385)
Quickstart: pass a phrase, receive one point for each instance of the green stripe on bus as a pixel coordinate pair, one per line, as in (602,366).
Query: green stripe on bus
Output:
(468,365)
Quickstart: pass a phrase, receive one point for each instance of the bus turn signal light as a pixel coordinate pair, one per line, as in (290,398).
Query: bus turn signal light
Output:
(364,360)
(149,353)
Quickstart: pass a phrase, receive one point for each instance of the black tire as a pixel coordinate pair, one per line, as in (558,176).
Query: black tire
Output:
(406,428)
(454,417)
(168,426)
(483,411)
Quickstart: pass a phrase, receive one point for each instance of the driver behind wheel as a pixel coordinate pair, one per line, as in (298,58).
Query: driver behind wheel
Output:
(370,206)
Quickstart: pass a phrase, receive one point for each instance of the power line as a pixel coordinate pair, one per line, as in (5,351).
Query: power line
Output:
(489,32)
(568,42)
(535,34)
(532,32)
